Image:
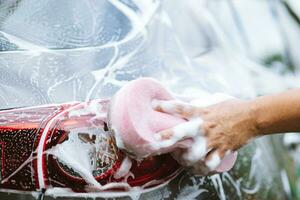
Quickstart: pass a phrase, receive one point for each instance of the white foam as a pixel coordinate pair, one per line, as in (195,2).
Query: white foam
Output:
(124,168)
(168,106)
(133,192)
(197,151)
(185,130)
(157,137)
(217,182)
(214,162)
(188,129)
(118,138)
(40,147)
(76,154)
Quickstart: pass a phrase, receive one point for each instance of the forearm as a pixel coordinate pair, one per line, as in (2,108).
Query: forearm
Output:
(277,113)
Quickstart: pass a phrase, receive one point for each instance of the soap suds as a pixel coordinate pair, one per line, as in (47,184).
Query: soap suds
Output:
(76,154)
(119,141)
(197,150)
(92,107)
(188,129)
(124,168)
(170,106)
(213,162)
(182,131)
(40,147)
(157,137)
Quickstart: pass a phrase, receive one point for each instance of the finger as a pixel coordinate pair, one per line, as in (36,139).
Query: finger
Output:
(175,107)
(184,130)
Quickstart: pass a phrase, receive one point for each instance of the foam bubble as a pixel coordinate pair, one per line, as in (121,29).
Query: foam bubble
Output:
(124,168)
(197,150)
(188,129)
(214,162)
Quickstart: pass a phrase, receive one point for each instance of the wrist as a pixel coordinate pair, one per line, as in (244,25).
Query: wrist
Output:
(254,115)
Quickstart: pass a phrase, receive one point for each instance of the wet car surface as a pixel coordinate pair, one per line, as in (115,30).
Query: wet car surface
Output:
(55,52)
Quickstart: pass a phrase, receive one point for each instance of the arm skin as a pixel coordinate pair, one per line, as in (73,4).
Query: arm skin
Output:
(229,125)
(277,113)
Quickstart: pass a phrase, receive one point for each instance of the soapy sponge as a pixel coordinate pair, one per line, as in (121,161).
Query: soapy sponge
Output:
(133,119)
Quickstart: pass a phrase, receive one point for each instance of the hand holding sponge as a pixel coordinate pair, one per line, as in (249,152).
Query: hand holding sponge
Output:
(135,123)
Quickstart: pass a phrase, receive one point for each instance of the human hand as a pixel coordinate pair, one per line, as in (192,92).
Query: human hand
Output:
(223,128)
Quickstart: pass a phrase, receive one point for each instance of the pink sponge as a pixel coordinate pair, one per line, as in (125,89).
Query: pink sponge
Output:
(134,121)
